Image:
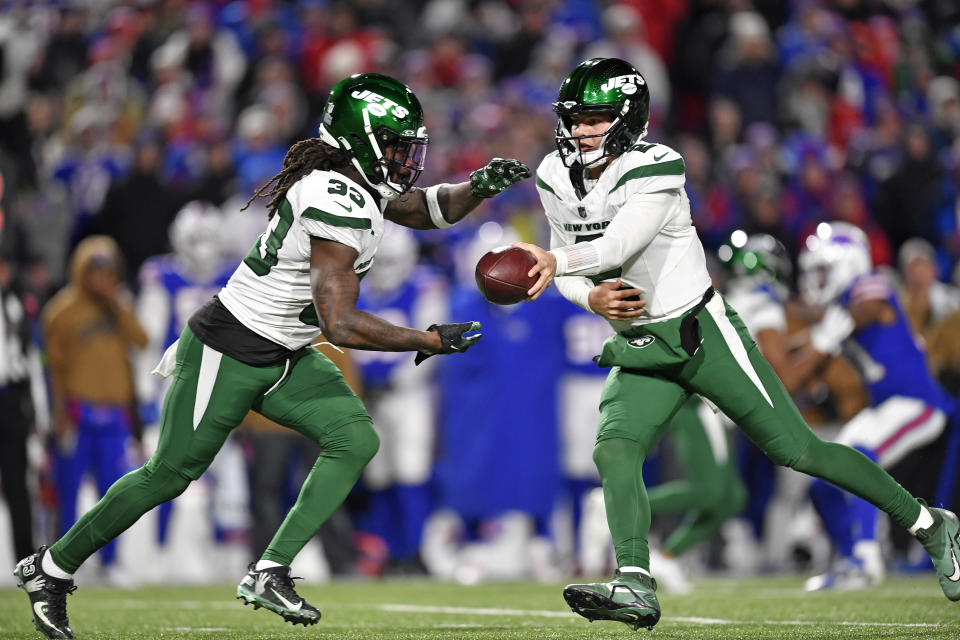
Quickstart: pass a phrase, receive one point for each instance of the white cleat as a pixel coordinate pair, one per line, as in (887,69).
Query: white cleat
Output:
(669,573)
(848,574)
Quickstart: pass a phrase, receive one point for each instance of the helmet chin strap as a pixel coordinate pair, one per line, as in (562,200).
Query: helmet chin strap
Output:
(382,188)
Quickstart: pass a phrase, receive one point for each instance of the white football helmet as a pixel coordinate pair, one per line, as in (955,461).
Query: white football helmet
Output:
(831,259)
(397,256)
(196,238)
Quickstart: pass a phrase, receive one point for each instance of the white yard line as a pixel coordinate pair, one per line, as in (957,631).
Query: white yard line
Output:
(172,604)
(415,608)
(481,611)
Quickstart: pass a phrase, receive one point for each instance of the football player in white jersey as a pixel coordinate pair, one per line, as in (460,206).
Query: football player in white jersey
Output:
(249,347)
(618,213)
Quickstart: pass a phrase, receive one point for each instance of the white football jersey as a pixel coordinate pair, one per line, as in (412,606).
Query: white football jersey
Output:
(757,304)
(270,291)
(672,269)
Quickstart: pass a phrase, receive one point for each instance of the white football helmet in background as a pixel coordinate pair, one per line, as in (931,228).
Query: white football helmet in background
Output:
(196,238)
(831,259)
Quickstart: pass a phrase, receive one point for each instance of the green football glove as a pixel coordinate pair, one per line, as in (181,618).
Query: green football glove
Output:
(451,335)
(494,178)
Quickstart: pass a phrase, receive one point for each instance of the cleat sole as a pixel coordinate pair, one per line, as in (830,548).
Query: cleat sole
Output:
(258,603)
(594,606)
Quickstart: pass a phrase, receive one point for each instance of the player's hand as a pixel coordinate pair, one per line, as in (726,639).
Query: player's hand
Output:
(452,338)
(608,300)
(544,270)
(827,335)
(496,176)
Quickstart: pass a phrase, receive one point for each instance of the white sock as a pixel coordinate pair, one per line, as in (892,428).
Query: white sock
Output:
(639,570)
(266,564)
(924,521)
(51,569)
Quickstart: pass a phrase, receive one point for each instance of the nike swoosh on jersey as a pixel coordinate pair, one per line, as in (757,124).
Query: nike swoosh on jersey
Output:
(345,207)
(657,158)
(287,603)
(38,609)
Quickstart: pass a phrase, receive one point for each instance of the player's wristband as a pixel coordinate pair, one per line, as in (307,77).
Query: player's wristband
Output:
(436,216)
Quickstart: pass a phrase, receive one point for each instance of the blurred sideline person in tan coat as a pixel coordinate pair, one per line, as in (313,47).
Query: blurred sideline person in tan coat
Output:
(89,330)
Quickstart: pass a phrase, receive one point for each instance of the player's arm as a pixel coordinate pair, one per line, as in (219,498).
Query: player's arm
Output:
(793,372)
(825,339)
(335,289)
(128,324)
(57,352)
(872,311)
(442,205)
(636,224)
(605,299)
(868,307)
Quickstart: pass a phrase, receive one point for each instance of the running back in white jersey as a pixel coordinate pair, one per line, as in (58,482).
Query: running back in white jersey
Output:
(270,291)
(671,270)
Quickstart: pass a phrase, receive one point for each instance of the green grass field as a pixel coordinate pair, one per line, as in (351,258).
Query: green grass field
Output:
(911,608)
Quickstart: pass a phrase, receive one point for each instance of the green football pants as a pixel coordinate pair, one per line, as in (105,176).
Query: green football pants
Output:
(652,377)
(711,490)
(210,395)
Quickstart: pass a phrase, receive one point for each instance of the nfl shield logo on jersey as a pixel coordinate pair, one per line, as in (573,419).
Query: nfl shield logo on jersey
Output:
(641,342)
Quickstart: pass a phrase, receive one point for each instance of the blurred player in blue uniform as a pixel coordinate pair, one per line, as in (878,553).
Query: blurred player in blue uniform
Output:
(400,398)
(498,498)
(172,287)
(908,409)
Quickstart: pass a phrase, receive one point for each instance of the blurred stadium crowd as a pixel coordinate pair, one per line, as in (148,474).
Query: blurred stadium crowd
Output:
(154,121)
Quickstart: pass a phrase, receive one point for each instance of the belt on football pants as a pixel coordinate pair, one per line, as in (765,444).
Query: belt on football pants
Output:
(690,327)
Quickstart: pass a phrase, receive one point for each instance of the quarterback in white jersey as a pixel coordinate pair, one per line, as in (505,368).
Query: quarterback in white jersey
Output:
(248,347)
(632,222)
(681,338)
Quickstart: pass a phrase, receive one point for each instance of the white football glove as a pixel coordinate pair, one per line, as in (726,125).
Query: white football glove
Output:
(827,335)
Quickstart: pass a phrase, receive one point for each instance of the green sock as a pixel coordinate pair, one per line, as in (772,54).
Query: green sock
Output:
(854,472)
(345,454)
(620,463)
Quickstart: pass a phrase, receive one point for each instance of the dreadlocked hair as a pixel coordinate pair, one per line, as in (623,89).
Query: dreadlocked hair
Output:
(301,159)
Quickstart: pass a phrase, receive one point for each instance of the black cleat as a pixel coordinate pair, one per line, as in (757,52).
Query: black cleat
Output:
(273,589)
(629,598)
(48,596)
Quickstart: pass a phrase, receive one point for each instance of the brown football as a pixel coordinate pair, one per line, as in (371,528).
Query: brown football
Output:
(502,275)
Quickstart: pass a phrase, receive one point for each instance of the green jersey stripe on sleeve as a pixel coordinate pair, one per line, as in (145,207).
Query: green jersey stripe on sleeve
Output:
(671,168)
(543,185)
(335,220)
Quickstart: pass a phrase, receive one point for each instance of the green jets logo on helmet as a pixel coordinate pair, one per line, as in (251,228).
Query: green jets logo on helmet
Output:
(379,122)
(608,86)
